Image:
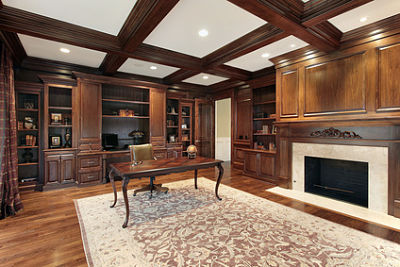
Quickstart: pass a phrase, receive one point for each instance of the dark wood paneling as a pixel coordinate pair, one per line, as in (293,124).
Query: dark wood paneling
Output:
(289,94)
(158,102)
(14,45)
(336,86)
(90,115)
(388,95)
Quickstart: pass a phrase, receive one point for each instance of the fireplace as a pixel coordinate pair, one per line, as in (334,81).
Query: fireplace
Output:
(339,179)
(376,169)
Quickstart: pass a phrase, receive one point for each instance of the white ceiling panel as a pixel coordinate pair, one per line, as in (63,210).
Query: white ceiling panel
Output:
(258,59)
(140,67)
(200,79)
(225,22)
(102,15)
(41,48)
(366,14)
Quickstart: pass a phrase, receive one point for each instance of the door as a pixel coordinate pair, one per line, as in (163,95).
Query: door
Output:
(223,127)
(204,127)
(68,168)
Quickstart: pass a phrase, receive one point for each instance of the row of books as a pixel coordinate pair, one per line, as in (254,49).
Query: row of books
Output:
(30,140)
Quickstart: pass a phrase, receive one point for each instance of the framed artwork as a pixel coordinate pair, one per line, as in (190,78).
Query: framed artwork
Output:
(55,141)
(56,118)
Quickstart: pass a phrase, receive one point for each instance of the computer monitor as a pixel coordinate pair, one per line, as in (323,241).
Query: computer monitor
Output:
(109,141)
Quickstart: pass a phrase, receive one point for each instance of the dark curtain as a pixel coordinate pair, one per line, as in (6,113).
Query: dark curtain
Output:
(9,193)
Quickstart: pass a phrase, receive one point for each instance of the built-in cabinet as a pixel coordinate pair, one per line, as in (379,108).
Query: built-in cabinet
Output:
(256,136)
(59,167)
(76,112)
(28,114)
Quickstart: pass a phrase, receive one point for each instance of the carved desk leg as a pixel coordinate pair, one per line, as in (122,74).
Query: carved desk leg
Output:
(221,173)
(111,176)
(124,191)
(195,178)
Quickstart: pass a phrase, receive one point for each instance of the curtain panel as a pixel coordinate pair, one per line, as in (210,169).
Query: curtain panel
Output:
(9,193)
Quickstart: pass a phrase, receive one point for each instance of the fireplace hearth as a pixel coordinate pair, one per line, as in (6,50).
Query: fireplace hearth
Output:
(339,179)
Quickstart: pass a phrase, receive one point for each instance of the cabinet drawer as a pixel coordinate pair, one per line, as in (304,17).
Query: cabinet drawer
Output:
(90,177)
(87,162)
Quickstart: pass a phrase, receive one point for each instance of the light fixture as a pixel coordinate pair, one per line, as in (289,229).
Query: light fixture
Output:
(293,45)
(203,33)
(265,55)
(153,67)
(64,50)
(205,77)
(363,19)
(375,32)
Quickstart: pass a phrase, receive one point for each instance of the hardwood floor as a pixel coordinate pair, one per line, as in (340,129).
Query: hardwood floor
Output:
(46,232)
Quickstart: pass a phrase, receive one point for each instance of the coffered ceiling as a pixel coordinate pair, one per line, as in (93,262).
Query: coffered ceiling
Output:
(182,41)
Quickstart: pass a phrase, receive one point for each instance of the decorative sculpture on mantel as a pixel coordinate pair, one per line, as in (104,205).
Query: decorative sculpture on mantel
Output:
(335,133)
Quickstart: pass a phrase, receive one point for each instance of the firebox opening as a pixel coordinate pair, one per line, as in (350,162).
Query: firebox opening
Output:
(339,179)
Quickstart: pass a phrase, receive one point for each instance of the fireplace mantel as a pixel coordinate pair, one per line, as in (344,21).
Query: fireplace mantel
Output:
(374,133)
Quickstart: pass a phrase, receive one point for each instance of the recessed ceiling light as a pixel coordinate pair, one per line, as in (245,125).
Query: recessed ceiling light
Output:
(265,55)
(64,50)
(203,32)
(363,19)
(293,45)
(205,77)
(153,67)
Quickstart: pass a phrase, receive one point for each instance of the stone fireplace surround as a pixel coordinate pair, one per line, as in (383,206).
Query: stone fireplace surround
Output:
(376,157)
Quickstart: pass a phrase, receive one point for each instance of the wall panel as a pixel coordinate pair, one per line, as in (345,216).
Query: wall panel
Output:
(337,86)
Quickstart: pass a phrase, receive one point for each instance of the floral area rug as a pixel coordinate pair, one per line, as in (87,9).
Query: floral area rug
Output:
(189,227)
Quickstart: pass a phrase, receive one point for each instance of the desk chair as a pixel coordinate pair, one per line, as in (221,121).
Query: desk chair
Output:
(145,152)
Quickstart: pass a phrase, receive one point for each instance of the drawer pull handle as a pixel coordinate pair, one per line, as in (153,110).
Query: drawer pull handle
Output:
(91,176)
(91,162)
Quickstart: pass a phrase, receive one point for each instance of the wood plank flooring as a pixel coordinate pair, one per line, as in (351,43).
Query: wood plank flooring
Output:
(46,232)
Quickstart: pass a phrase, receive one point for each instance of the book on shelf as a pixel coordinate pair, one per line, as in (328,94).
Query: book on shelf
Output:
(30,140)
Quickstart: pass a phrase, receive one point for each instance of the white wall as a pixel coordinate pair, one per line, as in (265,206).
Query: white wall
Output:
(223,129)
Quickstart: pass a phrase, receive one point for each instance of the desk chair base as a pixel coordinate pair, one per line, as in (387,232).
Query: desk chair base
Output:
(151,187)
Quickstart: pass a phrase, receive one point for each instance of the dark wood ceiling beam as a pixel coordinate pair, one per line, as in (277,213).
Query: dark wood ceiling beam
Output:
(315,13)
(229,72)
(16,20)
(267,10)
(262,36)
(144,17)
(327,31)
(166,57)
(14,45)
(227,84)
(180,75)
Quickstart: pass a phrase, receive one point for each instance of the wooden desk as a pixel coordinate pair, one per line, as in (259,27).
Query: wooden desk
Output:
(152,168)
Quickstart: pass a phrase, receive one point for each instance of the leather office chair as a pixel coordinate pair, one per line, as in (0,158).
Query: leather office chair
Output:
(145,152)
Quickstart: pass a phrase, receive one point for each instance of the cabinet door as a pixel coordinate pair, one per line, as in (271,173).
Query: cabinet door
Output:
(90,115)
(251,162)
(67,168)
(267,165)
(52,169)
(204,127)
(157,117)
